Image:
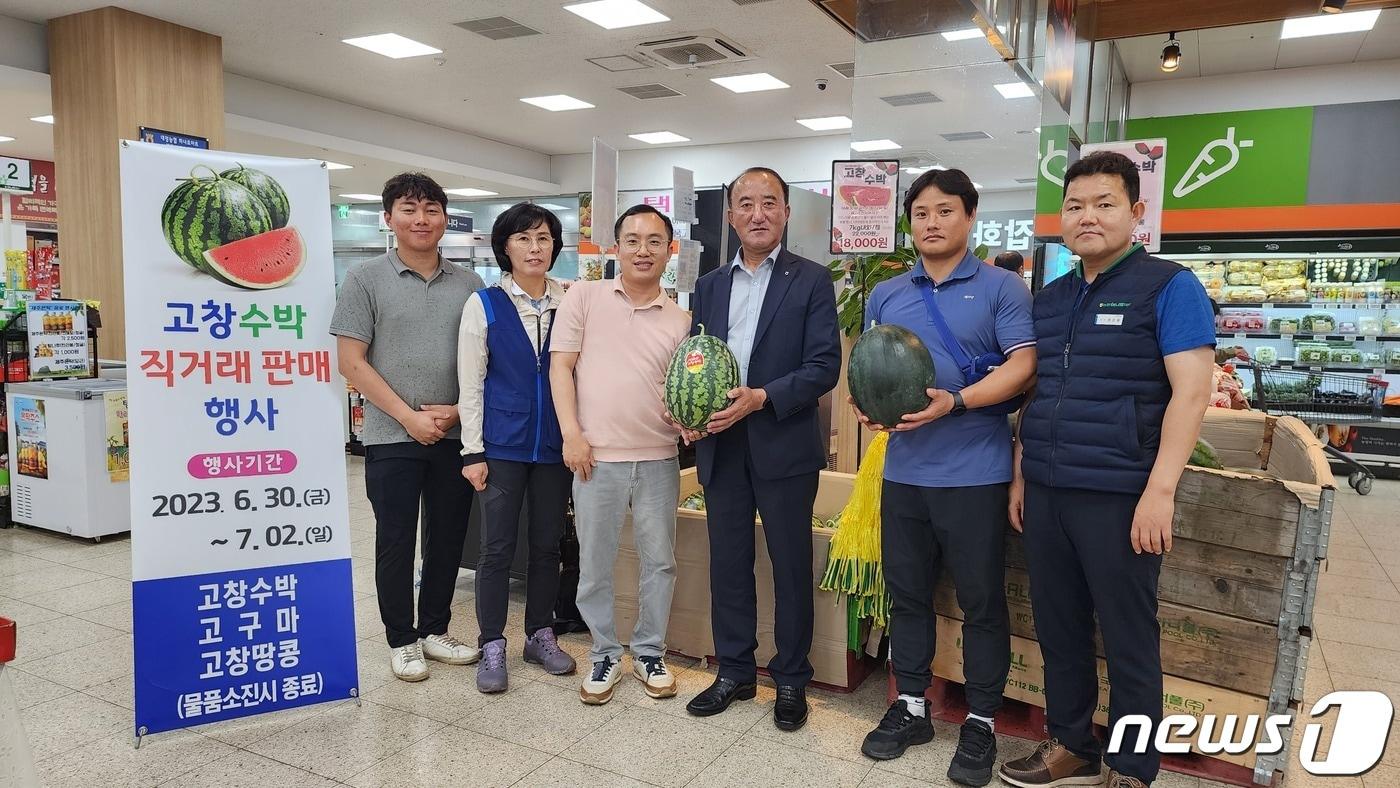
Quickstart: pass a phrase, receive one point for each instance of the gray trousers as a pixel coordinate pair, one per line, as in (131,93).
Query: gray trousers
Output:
(651,489)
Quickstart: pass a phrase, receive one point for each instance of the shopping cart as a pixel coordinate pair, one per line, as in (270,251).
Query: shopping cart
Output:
(1321,398)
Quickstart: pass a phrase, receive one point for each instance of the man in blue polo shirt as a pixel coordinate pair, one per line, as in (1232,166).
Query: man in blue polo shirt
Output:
(947,469)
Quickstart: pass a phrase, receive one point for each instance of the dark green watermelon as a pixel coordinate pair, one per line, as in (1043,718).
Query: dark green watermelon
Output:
(889,371)
(702,373)
(268,191)
(206,213)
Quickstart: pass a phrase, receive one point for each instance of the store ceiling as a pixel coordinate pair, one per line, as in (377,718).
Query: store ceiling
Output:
(1257,47)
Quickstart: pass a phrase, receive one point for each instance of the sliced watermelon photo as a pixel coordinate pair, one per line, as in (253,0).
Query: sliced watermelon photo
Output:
(260,262)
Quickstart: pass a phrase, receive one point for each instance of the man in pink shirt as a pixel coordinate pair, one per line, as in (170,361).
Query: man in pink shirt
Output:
(613,340)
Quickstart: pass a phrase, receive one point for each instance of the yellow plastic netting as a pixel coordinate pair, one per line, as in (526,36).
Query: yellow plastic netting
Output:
(853,562)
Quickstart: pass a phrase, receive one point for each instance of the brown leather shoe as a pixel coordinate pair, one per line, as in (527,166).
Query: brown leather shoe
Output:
(1116,780)
(1051,765)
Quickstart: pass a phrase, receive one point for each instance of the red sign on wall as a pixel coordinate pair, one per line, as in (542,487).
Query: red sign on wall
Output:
(42,204)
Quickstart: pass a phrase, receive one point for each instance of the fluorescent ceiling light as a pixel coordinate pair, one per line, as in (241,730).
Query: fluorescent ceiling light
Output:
(826,124)
(612,14)
(335,165)
(557,103)
(43,119)
(392,45)
(922,170)
(865,146)
(364,197)
(6,139)
(469,192)
(659,137)
(1329,24)
(551,206)
(962,35)
(1015,90)
(750,83)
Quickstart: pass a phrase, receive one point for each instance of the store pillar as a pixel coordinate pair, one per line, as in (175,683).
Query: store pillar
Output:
(114,71)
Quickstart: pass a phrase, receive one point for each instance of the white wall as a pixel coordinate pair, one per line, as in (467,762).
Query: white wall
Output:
(801,159)
(1017,200)
(23,45)
(1292,87)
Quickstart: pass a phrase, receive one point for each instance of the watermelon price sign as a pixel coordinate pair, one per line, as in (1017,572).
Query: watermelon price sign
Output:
(863,206)
(241,587)
(1150,158)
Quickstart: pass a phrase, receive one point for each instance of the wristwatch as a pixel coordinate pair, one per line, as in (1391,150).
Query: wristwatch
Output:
(958,407)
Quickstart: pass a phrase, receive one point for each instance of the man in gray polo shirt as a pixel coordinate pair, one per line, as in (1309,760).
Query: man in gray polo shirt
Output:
(396,324)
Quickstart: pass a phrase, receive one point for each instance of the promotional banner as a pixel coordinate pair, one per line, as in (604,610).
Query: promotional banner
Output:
(1150,156)
(118,451)
(58,342)
(864,210)
(240,540)
(32,437)
(41,204)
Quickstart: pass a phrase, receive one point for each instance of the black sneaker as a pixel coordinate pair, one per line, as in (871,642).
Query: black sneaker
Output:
(896,732)
(977,753)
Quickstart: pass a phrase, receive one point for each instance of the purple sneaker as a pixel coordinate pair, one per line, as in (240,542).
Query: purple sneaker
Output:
(491,674)
(542,649)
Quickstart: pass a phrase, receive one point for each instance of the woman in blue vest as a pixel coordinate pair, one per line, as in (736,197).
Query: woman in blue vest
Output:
(511,444)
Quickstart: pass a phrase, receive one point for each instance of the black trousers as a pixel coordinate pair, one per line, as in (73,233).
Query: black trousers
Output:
(1081,563)
(398,476)
(923,529)
(544,488)
(733,495)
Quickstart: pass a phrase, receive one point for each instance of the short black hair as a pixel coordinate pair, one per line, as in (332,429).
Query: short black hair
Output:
(1106,162)
(639,210)
(1011,261)
(953,183)
(517,219)
(413,186)
(729,191)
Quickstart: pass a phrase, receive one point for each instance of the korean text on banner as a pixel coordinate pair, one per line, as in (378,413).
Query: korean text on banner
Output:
(58,340)
(240,540)
(863,206)
(1150,156)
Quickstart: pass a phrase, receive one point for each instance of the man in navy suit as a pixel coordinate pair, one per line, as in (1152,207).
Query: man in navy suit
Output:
(777,312)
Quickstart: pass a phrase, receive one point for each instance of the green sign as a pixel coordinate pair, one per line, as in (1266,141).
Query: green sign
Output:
(1051,161)
(343,211)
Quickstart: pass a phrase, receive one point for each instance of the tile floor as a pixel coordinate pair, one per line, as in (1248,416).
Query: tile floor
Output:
(74,671)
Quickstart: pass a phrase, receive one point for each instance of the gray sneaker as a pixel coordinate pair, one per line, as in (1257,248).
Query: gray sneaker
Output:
(542,649)
(491,674)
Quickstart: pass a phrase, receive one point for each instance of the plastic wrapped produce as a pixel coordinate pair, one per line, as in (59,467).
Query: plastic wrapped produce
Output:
(1238,278)
(1285,269)
(1247,266)
(1368,325)
(1241,320)
(1312,353)
(1319,323)
(1266,354)
(1392,357)
(1283,325)
(1245,295)
(1344,355)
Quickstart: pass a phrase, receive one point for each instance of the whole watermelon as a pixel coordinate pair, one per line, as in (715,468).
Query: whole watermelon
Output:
(889,371)
(205,213)
(699,379)
(268,191)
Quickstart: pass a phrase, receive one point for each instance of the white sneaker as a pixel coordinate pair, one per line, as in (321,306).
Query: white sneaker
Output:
(407,662)
(450,650)
(656,679)
(597,688)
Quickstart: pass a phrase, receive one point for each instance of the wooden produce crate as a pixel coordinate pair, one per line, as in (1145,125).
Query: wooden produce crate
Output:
(1236,592)
(689,631)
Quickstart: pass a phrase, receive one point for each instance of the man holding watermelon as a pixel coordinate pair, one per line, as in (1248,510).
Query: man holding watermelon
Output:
(395,322)
(948,467)
(1126,352)
(765,451)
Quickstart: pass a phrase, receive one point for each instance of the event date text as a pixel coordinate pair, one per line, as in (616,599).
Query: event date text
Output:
(182,504)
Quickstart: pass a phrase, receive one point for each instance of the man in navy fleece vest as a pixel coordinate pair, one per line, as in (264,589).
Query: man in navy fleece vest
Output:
(1125,351)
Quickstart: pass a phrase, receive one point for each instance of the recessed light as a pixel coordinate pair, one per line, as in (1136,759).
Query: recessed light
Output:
(659,137)
(826,124)
(750,83)
(922,170)
(613,14)
(43,119)
(865,146)
(6,139)
(469,192)
(392,45)
(962,35)
(557,103)
(1014,90)
(1330,24)
(335,165)
(364,197)
(551,206)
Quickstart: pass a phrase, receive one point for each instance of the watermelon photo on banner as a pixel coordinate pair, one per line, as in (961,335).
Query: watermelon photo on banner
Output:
(240,540)
(863,206)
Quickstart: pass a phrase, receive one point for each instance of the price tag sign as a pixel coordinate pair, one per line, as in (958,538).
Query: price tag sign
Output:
(863,206)
(14,175)
(1240,336)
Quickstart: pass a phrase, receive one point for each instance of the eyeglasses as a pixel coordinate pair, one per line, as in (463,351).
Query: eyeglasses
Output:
(654,245)
(543,241)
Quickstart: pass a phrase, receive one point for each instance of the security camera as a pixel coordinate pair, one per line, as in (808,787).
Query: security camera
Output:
(821,84)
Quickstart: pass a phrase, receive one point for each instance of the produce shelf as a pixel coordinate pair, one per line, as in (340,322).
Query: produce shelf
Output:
(1309,337)
(1307,305)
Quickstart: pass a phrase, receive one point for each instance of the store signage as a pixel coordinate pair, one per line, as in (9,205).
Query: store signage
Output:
(1150,158)
(683,187)
(863,211)
(14,174)
(118,448)
(161,137)
(40,203)
(242,591)
(459,224)
(1003,231)
(58,340)
(32,438)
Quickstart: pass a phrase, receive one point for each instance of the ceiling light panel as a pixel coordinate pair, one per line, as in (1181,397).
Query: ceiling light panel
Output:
(659,137)
(364,197)
(750,83)
(1330,24)
(335,165)
(468,192)
(557,103)
(392,45)
(43,119)
(1015,90)
(614,14)
(6,139)
(962,35)
(831,123)
(865,146)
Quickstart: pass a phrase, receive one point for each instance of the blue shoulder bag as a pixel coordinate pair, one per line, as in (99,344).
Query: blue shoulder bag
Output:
(973,369)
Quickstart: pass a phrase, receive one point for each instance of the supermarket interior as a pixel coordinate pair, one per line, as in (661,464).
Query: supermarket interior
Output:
(196,197)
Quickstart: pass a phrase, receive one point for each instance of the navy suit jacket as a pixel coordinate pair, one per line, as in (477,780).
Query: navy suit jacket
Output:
(796,359)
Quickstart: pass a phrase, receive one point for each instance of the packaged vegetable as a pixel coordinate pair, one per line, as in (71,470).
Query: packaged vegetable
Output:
(1392,357)
(1390,326)
(1266,354)
(1312,353)
(1346,327)
(1283,325)
(1284,269)
(1344,355)
(1372,358)
(1368,325)
(1245,295)
(1319,323)
(1239,278)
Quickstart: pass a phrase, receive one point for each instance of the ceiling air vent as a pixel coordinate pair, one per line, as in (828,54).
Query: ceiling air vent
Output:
(692,51)
(617,63)
(965,136)
(653,91)
(498,27)
(910,99)
(847,70)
